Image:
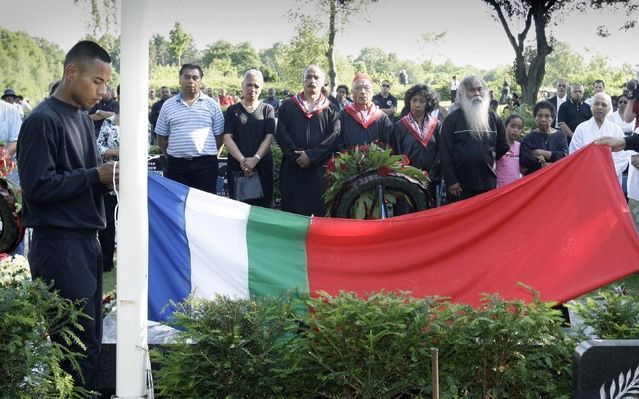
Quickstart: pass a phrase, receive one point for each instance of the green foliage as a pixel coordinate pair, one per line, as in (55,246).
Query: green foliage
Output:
(377,347)
(28,64)
(374,347)
(226,349)
(29,314)
(610,312)
(179,42)
(505,349)
(304,49)
(276,153)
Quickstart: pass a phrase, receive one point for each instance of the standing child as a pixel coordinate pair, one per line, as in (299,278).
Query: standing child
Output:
(507,168)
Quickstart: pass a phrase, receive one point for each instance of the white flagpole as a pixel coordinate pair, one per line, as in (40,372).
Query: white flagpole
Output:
(132,278)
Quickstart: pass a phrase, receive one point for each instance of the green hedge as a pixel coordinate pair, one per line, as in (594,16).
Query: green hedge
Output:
(29,314)
(379,347)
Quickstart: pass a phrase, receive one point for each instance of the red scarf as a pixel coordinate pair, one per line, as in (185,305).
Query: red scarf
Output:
(322,104)
(424,134)
(374,114)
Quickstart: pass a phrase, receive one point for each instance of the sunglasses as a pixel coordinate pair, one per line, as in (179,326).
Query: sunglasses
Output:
(622,102)
(385,85)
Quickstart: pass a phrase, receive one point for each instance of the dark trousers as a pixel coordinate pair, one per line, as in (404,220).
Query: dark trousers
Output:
(72,260)
(198,172)
(107,236)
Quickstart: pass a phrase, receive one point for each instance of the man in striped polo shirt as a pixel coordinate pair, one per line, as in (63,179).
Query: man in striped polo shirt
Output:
(189,133)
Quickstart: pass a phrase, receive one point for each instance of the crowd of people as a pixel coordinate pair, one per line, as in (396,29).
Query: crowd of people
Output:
(66,154)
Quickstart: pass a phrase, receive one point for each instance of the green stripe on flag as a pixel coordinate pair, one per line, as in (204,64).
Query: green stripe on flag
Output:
(276,244)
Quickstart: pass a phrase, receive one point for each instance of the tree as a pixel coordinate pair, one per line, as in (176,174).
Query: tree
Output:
(245,57)
(179,42)
(103,16)
(158,50)
(530,62)
(220,50)
(28,64)
(337,12)
(305,48)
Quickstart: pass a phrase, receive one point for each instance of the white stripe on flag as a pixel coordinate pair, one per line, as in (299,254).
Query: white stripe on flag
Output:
(216,231)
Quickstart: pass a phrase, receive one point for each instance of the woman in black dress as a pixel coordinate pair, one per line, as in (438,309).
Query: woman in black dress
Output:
(249,128)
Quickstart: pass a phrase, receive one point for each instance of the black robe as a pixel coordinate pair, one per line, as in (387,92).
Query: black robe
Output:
(470,161)
(302,188)
(422,155)
(353,133)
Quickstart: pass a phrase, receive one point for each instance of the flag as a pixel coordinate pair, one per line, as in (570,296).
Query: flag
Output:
(564,230)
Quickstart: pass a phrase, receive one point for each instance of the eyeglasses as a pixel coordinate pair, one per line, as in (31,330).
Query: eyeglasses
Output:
(385,85)
(622,102)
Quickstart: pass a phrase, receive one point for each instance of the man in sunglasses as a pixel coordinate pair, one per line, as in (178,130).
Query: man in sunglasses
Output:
(386,101)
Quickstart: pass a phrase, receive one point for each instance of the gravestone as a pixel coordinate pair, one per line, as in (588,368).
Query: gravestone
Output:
(606,369)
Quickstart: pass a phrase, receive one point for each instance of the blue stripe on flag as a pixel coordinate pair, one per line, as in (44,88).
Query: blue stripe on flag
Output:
(169,255)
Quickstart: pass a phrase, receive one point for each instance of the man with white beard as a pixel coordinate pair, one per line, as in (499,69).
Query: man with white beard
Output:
(473,138)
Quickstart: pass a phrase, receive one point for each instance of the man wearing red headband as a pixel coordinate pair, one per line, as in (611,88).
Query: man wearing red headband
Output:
(362,121)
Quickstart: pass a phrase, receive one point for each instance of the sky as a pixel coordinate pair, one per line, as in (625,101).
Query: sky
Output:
(472,37)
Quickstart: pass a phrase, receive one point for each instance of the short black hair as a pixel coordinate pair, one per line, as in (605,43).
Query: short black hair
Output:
(84,51)
(192,66)
(421,89)
(545,105)
(342,87)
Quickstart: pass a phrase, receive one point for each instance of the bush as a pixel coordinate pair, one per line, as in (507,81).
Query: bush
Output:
(379,347)
(505,349)
(29,314)
(355,348)
(226,349)
(611,313)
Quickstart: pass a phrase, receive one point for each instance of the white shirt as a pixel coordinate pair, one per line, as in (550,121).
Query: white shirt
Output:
(617,119)
(10,122)
(560,100)
(633,181)
(588,131)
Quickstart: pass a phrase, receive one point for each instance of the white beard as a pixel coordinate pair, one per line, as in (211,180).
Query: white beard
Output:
(476,114)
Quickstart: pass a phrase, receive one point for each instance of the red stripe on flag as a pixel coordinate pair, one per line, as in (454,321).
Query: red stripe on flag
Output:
(564,230)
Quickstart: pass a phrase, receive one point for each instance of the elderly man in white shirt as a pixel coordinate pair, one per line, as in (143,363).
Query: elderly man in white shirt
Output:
(599,126)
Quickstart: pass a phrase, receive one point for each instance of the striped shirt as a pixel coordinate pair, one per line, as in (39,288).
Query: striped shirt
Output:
(191,130)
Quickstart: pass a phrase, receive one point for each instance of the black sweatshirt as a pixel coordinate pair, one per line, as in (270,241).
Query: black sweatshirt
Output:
(57,163)
(469,161)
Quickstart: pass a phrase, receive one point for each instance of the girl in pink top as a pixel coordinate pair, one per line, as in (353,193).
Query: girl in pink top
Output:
(507,168)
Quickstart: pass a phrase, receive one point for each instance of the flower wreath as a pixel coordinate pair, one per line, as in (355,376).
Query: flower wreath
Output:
(364,159)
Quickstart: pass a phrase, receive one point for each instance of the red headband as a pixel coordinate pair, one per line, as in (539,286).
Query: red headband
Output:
(362,76)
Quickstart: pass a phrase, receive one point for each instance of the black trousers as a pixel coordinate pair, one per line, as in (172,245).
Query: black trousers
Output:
(198,172)
(107,236)
(72,260)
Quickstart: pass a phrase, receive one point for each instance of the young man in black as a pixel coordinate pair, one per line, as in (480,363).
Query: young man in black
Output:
(63,181)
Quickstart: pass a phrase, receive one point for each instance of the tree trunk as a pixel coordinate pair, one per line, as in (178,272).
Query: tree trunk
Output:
(330,54)
(529,77)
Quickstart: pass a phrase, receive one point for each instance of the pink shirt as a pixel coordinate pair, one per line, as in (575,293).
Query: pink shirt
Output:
(507,168)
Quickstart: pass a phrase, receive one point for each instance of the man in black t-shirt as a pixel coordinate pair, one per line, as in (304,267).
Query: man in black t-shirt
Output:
(574,111)
(386,101)
(165,94)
